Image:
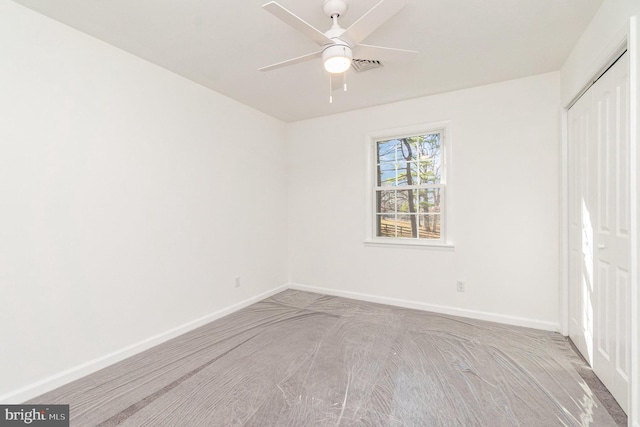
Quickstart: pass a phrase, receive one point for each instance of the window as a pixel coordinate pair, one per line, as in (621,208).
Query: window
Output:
(409,185)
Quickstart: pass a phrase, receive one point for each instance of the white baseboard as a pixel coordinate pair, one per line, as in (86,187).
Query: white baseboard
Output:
(54,381)
(454,311)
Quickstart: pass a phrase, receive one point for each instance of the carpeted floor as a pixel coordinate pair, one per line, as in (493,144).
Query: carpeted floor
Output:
(303,359)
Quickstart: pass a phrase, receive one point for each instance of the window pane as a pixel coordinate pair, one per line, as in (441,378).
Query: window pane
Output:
(429,200)
(407,201)
(429,148)
(386,150)
(402,173)
(426,172)
(407,226)
(423,173)
(386,201)
(430,226)
(386,226)
(407,149)
(429,145)
(386,174)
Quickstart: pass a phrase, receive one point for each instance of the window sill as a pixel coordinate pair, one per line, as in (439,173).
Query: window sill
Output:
(409,244)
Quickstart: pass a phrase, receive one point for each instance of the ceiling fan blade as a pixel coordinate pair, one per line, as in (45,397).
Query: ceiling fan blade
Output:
(299,24)
(371,20)
(365,51)
(292,61)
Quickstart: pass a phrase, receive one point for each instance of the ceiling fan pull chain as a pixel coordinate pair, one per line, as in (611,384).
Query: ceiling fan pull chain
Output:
(344,80)
(330,91)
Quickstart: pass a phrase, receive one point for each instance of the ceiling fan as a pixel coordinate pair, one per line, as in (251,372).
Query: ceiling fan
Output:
(339,46)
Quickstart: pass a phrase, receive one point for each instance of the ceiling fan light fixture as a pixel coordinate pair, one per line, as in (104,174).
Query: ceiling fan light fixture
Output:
(337,58)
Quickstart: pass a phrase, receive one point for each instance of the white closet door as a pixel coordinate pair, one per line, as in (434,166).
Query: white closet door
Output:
(599,208)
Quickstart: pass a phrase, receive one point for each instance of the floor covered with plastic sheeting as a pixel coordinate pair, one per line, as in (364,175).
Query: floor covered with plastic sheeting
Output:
(304,359)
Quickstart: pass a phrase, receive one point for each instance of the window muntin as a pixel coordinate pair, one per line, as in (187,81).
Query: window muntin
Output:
(409,187)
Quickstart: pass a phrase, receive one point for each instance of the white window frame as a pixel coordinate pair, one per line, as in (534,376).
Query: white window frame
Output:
(372,139)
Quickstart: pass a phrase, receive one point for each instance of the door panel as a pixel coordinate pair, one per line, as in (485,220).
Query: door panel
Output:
(599,212)
(623,350)
(580,279)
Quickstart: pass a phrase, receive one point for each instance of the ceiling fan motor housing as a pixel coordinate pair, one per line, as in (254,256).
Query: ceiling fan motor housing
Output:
(333,8)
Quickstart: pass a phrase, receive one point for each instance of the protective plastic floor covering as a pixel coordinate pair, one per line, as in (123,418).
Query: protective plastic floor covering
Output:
(303,359)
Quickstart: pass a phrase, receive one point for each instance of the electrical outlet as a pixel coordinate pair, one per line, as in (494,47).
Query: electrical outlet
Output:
(460,286)
(237,282)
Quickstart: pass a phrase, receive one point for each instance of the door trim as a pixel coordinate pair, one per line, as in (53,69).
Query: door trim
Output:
(633,47)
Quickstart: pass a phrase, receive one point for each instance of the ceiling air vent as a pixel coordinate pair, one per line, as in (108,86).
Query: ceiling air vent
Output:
(365,64)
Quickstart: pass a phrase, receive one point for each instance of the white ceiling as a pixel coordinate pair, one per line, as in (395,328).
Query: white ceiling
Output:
(221,44)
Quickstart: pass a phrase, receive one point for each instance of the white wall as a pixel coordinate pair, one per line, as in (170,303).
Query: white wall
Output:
(505,188)
(615,21)
(129,199)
